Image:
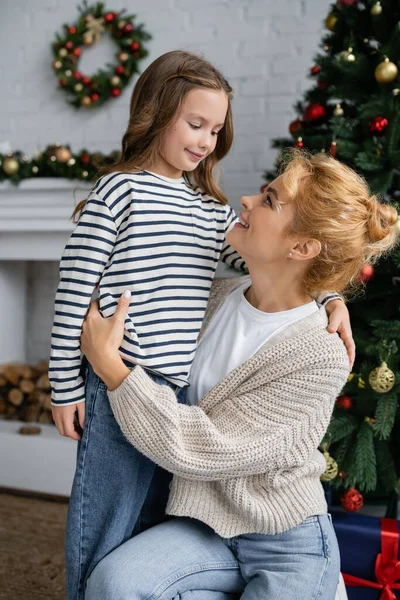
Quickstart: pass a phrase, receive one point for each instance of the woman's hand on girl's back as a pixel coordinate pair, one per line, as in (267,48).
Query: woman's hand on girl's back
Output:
(339,322)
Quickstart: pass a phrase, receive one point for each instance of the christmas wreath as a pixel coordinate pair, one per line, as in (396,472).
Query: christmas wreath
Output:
(90,91)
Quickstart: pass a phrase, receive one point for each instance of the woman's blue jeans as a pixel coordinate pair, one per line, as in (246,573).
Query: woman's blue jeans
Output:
(183,558)
(113,483)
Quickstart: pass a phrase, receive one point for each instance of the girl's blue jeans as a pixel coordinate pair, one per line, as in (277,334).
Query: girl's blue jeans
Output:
(116,492)
(183,558)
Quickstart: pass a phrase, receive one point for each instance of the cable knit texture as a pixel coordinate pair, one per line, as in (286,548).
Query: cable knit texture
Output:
(246,458)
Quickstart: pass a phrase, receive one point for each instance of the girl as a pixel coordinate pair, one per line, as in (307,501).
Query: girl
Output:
(154,223)
(262,387)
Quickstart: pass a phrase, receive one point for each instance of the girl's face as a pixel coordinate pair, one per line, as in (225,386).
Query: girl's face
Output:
(193,134)
(263,238)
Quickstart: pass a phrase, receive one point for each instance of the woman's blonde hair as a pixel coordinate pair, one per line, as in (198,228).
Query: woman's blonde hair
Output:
(157,97)
(334,205)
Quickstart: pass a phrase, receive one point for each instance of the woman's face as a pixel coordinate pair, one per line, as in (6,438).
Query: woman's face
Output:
(261,237)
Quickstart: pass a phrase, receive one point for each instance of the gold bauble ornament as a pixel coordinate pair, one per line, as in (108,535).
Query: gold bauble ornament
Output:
(338,111)
(332,468)
(10,166)
(122,56)
(396,92)
(62,155)
(35,169)
(121,24)
(71,162)
(78,87)
(386,71)
(376,9)
(57,64)
(86,101)
(382,379)
(115,80)
(63,52)
(330,21)
(85,173)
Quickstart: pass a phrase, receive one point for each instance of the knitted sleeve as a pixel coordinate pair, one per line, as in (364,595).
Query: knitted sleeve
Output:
(270,421)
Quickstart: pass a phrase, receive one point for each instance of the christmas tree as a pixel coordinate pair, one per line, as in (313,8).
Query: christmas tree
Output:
(352,111)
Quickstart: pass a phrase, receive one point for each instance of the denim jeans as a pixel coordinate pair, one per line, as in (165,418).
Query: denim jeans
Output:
(183,558)
(116,492)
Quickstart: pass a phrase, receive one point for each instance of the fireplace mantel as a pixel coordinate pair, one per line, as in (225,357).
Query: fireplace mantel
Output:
(35,224)
(35,217)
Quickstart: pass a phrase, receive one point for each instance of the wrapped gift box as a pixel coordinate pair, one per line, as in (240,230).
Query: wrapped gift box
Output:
(369,550)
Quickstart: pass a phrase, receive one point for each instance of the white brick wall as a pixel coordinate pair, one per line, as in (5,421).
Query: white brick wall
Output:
(264,47)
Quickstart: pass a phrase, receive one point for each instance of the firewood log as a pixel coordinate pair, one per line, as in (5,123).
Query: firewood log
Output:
(43,382)
(27,386)
(3,406)
(3,381)
(45,417)
(31,413)
(10,374)
(15,397)
(46,402)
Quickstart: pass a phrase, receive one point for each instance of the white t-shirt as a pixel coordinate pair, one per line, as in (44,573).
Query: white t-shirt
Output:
(236,332)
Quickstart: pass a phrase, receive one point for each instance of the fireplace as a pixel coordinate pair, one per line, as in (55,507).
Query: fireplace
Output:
(34,227)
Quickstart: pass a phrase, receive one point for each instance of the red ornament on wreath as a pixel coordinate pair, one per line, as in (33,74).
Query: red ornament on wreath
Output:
(344,402)
(94,21)
(314,112)
(345,2)
(377,125)
(367,273)
(85,158)
(295,127)
(315,70)
(263,188)
(352,500)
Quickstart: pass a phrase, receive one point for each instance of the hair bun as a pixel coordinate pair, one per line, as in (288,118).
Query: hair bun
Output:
(382,221)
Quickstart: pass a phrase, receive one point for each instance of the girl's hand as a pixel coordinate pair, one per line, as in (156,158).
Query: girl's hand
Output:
(64,418)
(101,338)
(339,321)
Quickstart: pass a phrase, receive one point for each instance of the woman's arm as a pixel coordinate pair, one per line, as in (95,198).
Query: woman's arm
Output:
(272,419)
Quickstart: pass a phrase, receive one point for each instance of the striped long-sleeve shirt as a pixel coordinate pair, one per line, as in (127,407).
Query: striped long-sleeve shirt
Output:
(157,237)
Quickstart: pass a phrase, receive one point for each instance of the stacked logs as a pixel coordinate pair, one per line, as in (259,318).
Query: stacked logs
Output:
(25,392)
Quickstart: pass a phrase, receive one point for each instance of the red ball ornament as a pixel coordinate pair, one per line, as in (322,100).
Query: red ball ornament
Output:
(315,70)
(71,30)
(263,188)
(94,97)
(77,52)
(299,143)
(295,127)
(62,82)
(322,85)
(109,17)
(367,272)
(120,70)
(344,402)
(69,45)
(85,158)
(377,125)
(136,55)
(314,112)
(135,46)
(86,80)
(345,2)
(128,28)
(77,75)
(115,92)
(352,500)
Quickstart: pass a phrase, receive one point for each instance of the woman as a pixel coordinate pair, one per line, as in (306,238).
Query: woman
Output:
(244,453)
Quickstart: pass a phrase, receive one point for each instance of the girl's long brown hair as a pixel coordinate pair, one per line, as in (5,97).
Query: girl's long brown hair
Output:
(157,97)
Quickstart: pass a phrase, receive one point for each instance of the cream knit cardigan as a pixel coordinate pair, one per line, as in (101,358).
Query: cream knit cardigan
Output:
(245,459)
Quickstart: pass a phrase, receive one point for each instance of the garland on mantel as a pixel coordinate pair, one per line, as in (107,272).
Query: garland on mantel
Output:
(55,161)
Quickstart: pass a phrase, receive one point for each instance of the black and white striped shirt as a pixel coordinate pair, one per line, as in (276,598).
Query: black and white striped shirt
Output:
(161,239)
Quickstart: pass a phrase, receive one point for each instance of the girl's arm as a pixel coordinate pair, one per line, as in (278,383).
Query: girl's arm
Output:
(82,264)
(229,255)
